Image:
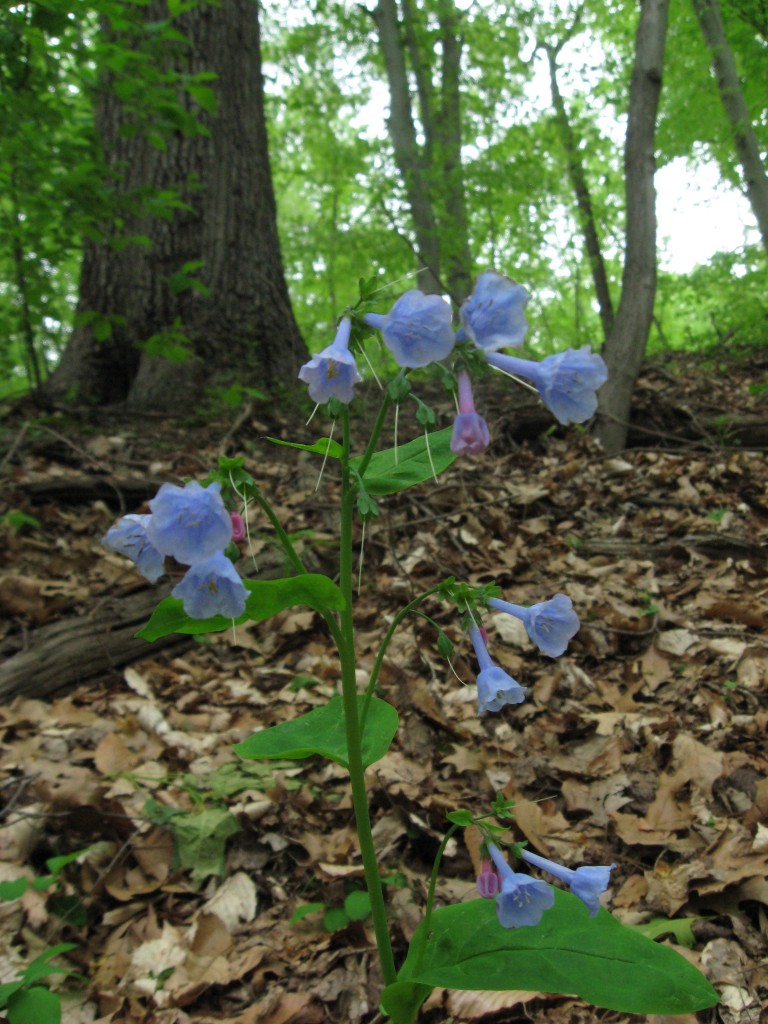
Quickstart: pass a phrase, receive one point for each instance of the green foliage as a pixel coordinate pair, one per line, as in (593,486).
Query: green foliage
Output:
(26,1002)
(200,837)
(57,188)
(266,598)
(357,907)
(322,732)
(396,469)
(721,303)
(570,953)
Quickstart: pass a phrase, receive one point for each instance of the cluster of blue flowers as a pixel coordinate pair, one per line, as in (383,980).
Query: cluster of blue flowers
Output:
(418,330)
(549,625)
(190,524)
(521,900)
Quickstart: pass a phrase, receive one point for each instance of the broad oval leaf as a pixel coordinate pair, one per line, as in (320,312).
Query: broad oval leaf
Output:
(598,959)
(322,732)
(396,469)
(266,598)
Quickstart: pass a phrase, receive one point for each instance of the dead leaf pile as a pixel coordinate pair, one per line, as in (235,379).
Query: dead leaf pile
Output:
(643,746)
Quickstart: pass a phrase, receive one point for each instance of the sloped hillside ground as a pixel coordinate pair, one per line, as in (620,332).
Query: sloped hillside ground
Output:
(643,746)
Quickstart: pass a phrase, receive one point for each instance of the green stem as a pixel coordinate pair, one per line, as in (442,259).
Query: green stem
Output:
(383,650)
(293,556)
(346,642)
(424,928)
(375,433)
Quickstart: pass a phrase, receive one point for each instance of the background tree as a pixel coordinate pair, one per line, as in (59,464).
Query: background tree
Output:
(735,107)
(431,168)
(625,346)
(183,286)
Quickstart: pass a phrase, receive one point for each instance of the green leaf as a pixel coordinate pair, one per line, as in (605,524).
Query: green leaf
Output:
(322,732)
(13,890)
(305,910)
(334,919)
(357,905)
(323,446)
(69,908)
(201,840)
(40,968)
(396,469)
(55,864)
(461,817)
(6,991)
(569,953)
(444,644)
(267,598)
(403,999)
(681,928)
(34,1006)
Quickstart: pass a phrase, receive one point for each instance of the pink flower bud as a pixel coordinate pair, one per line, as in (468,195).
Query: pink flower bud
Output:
(488,881)
(238,527)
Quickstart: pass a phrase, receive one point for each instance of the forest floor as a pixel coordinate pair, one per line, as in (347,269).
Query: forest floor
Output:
(643,746)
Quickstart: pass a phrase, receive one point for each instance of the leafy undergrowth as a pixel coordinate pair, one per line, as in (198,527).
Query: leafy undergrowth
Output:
(212,889)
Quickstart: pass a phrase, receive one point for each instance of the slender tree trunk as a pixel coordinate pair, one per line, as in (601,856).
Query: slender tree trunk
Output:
(432,171)
(455,256)
(586,214)
(625,346)
(408,155)
(240,328)
(732,96)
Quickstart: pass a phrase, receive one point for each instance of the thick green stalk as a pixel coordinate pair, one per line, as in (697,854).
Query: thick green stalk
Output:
(352,725)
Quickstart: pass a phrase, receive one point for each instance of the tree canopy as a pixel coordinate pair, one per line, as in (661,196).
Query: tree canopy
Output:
(488,146)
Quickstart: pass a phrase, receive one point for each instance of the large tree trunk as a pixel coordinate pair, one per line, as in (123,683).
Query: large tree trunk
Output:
(732,96)
(625,347)
(243,329)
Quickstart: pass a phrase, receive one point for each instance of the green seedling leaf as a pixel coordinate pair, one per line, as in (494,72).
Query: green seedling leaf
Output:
(322,732)
(266,598)
(396,469)
(334,919)
(69,908)
(55,864)
(201,840)
(40,968)
(569,953)
(323,446)
(13,890)
(35,1005)
(305,910)
(7,990)
(357,905)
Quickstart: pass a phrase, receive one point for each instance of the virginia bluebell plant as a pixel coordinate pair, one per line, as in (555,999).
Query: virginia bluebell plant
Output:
(520,944)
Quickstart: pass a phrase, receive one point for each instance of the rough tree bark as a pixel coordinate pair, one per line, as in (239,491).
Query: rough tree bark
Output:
(585,210)
(245,329)
(625,346)
(431,170)
(734,104)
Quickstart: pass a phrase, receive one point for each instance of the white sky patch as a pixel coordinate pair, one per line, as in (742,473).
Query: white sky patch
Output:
(698,215)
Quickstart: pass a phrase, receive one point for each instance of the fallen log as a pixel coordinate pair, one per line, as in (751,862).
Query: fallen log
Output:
(71,651)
